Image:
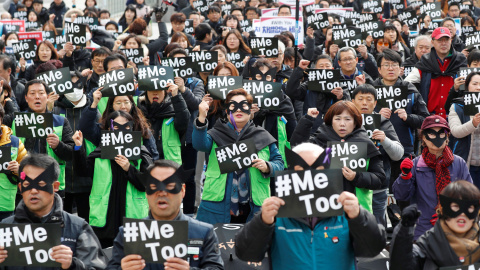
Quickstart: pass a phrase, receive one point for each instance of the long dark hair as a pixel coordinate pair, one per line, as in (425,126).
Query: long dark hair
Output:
(232,17)
(106,122)
(469,79)
(130,7)
(242,46)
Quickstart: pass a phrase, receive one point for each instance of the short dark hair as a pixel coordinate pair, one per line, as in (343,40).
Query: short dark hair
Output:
(390,55)
(103,11)
(114,57)
(202,30)
(236,8)
(36,81)
(445,20)
(290,55)
(338,108)
(41,161)
(163,163)
(284,6)
(6,62)
(364,89)
(101,51)
(212,9)
(247,9)
(321,56)
(177,51)
(178,17)
(454,4)
(474,55)
(459,190)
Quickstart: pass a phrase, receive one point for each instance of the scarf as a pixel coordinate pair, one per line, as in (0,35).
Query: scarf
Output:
(429,64)
(465,246)
(440,166)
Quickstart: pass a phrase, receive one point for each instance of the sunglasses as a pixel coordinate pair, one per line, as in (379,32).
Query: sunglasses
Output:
(383,43)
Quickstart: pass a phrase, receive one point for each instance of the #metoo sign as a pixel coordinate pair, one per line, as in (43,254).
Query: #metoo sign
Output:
(117,83)
(126,143)
(153,78)
(350,154)
(392,97)
(33,125)
(236,156)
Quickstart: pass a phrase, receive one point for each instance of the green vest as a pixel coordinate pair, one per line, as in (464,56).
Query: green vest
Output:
(171,142)
(58,130)
(215,182)
(365,196)
(282,139)
(136,202)
(8,190)
(102,104)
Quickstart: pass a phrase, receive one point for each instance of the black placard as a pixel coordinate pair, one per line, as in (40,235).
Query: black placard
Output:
(475,266)
(264,46)
(182,66)
(352,16)
(407,70)
(189,27)
(33,125)
(236,156)
(30,244)
(155,240)
(76,33)
(246,25)
(397,4)
(21,15)
(350,154)
(472,103)
(127,143)
(226,8)
(204,61)
(409,18)
(92,22)
(372,28)
(309,193)
(432,9)
(236,58)
(318,21)
(472,41)
(49,36)
(367,17)
(347,37)
(134,55)
(58,80)
(463,6)
(219,86)
(392,97)
(201,6)
(32,25)
(371,122)
(323,80)
(25,48)
(154,78)
(349,85)
(374,6)
(117,83)
(12,27)
(266,94)
(5,158)
(468,30)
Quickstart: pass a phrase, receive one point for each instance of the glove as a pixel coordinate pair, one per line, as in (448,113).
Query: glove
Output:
(406,168)
(410,215)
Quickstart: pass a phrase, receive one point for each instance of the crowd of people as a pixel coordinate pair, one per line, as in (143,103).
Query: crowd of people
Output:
(424,156)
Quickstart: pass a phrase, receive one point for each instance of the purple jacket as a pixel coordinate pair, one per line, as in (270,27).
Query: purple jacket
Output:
(420,189)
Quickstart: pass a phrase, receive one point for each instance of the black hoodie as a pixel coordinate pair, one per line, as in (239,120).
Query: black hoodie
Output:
(59,12)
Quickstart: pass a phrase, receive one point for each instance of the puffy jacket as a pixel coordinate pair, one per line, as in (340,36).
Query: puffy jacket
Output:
(209,257)
(79,60)
(368,65)
(292,243)
(59,12)
(461,127)
(76,234)
(420,189)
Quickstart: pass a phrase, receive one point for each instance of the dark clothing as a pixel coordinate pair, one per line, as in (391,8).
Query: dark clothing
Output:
(18,90)
(204,46)
(59,12)
(190,38)
(79,60)
(76,234)
(44,16)
(209,257)
(368,66)
(187,10)
(373,179)
(458,44)
(93,82)
(411,61)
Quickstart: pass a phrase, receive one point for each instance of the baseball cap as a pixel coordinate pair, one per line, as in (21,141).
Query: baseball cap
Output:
(440,32)
(435,121)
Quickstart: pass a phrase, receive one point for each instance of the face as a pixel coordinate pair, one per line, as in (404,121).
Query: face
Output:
(348,61)
(156,96)
(454,12)
(195,19)
(462,223)
(32,17)
(165,205)
(253,3)
(239,116)
(238,14)
(389,70)
(430,144)
(343,124)
(391,35)
(221,57)
(97,64)
(474,85)
(44,53)
(214,16)
(427,20)
(224,72)
(5,73)
(36,98)
(329,34)
(183,42)
(37,7)
(451,27)
(178,26)
(284,12)
(310,157)
(365,103)
(232,23)
(131,44)
(129,15)
(423,47)
(398,26)
(323,64)
(111,27)
(474,64)
(442,45)
(39,202)
(104,16)
(232,42)
(91,3)
(251,14)
(115,64)
(122,103)
(121,121)
(278,61)
(12,37)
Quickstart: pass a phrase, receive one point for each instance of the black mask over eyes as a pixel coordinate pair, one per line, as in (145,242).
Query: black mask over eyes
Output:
(122,127)
(447,211)
(294,159)
(438,142)
(237,106)
(257,75)
(177,178)
(46,176)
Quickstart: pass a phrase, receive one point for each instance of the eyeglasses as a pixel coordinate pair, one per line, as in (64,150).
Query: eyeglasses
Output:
(125,103)
(98,61)
(347,59)
(383,43)
(390,65)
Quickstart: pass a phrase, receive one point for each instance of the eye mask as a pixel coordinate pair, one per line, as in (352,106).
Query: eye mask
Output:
(46,176)
(121,127)
(238,106)
(178,178)
(445,202)
(438,142)
(255,70)
(294,159)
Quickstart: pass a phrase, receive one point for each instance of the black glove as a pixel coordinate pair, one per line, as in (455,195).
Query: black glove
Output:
(410,215)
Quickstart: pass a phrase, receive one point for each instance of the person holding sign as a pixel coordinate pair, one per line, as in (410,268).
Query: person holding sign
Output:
(356,235)
(38,185)
(453,241)
(236,196)
(45,52)
(165,189)
(125,195)
(347,61)
(343,123)
(424,178)
(465,130)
